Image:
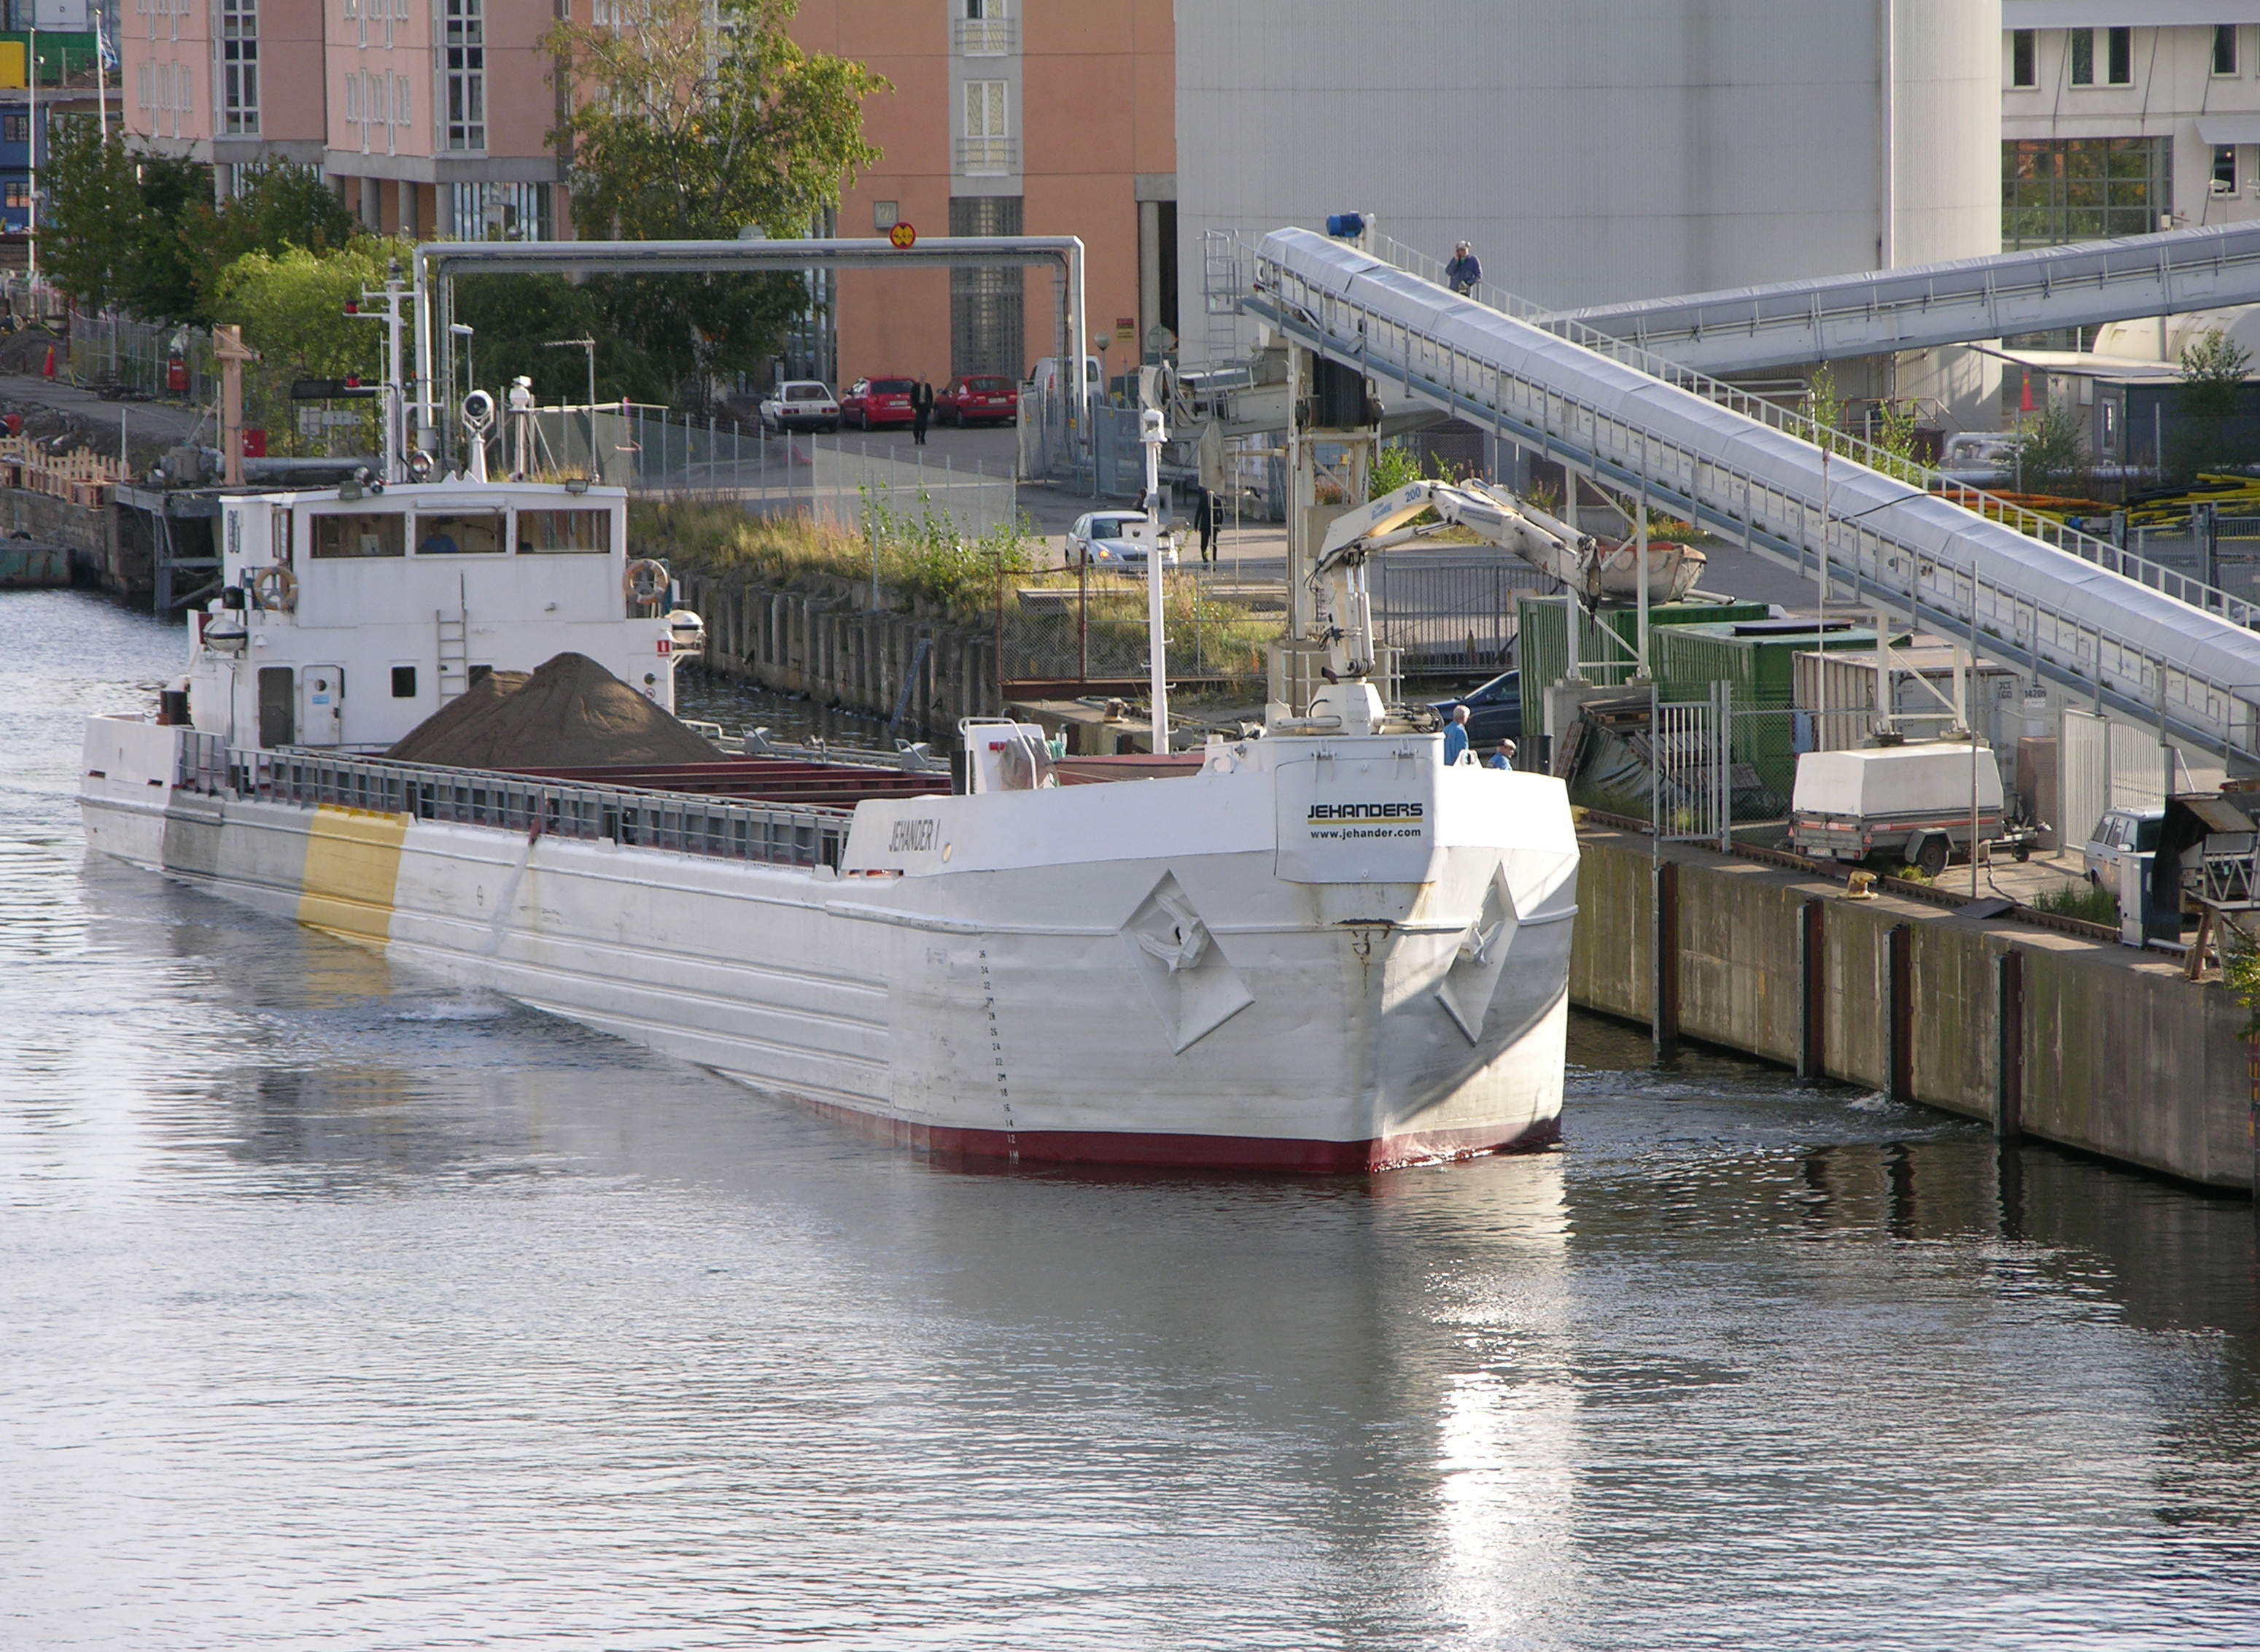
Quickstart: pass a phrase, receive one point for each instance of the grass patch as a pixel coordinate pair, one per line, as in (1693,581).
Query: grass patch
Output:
(2091,903)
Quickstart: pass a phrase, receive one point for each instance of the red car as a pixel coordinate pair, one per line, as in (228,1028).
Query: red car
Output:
(871,402)
(974,397)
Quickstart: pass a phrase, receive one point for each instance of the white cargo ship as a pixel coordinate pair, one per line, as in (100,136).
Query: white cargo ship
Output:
(1318,950)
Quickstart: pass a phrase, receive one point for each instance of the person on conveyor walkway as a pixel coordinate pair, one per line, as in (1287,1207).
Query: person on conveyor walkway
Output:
(1464,271)
(1455,736)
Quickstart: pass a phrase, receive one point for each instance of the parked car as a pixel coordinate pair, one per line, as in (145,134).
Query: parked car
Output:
(977,399)
(870,403)
(2118,834)
(1099,539)
(800,405)
(1494,711)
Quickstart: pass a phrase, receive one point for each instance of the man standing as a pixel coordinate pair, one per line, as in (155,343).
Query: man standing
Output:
(1464,271)
(1504,757)
(1205,525)
(1455,736)
(921,411)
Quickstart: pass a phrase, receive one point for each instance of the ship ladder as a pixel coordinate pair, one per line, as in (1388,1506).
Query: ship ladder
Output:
(454,655)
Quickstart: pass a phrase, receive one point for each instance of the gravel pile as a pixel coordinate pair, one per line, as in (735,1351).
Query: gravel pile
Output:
(572,713)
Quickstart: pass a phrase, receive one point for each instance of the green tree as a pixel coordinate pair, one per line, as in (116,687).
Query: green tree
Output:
(280,205)
(513,318)
(93,213)
(2049,457)
(292,306)
(174,228)
(695,119)
(2212,379)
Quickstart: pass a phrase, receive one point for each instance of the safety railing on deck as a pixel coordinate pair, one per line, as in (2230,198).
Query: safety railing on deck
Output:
(1706,486)
(628,816)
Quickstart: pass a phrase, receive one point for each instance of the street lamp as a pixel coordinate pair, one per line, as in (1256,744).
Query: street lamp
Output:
(589,344)
(462,330)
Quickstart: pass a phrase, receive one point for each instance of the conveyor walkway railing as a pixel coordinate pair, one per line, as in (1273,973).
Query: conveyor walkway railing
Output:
(2019,588)
(2032,290)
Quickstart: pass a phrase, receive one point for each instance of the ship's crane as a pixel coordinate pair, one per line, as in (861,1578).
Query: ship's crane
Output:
(1593,570)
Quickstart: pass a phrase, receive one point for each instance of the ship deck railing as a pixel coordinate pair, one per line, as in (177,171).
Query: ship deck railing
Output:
(725,828)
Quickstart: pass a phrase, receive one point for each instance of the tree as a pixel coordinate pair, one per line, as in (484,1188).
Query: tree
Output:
(94,204)
(292,306)
(2213,385)
(513,319)
(278,204)
(2049,457)
(696,119)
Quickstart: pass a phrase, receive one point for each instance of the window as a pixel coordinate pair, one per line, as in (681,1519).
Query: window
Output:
(2224,48)
(983,31)
(465,533)
(404,682)
(564,531)
(2022,69)
(340,534)
(2082,57)
(498,212)
(2123,57)
(16,128)
(985,147)
(19,195)
(2224,170)
(988,331)
(2058,190)
(239,56)
(467,73)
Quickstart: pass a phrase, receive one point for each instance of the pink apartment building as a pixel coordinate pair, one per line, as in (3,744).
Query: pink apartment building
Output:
(428,116)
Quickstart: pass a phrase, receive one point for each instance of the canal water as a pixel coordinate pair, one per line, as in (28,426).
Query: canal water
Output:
(341,1308)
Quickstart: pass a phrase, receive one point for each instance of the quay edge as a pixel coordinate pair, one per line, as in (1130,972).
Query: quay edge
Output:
(2114,1052)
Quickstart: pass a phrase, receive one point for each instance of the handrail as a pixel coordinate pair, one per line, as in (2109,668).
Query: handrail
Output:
(2022,627)
(683,822)
(2211,598)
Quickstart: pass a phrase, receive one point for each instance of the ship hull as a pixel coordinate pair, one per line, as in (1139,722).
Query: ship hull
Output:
(1156,992)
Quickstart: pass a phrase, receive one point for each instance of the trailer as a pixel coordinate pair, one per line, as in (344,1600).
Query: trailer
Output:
(1917,802)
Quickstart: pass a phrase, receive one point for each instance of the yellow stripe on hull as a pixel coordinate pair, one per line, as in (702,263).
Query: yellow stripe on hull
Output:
(353,866)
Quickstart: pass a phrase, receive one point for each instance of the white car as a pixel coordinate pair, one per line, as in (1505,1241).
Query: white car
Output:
(1099,539)
(801,404)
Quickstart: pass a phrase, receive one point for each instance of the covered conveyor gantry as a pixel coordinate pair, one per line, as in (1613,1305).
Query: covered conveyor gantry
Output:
(2153,646)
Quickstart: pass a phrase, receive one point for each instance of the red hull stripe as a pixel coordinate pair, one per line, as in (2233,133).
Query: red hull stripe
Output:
(1158,1150)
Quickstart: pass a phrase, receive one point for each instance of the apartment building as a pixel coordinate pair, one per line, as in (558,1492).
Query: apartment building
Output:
(428,116)
(1008,119)
(2128,117)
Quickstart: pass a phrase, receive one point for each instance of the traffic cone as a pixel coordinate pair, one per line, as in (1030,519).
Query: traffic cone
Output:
(48,371)
(2024,405)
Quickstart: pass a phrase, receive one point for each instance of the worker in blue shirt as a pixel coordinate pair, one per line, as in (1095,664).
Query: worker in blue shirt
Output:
(1504,757)
(1464,271)
(1455,735)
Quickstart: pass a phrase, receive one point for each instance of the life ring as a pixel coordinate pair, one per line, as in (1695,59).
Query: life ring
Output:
(645,581)
(276,587)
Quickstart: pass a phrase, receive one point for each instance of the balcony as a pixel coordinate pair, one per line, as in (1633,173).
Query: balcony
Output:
(984,36)
(987,157)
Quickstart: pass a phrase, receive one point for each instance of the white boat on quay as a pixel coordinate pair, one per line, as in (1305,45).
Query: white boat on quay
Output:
(1318,950)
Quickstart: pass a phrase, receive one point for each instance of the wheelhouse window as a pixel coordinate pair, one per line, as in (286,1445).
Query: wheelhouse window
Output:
(340,534)
(567,531)
(459,534)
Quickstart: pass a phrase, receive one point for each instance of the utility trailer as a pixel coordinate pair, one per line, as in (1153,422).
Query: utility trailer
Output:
(1914,802)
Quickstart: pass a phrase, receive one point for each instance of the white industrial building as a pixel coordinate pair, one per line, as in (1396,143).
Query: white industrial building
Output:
(1610,150)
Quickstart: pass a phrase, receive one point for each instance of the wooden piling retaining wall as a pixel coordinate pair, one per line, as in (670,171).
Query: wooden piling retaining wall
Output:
(2114,1052)
(826,640)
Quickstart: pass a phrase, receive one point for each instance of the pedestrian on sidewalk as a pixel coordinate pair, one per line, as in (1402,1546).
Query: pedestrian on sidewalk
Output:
(1205,525)
(921,411)
(1464,271)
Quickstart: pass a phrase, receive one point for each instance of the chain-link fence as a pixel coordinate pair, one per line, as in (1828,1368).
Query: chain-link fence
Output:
(119,354)
(1696,771)
(1092,632)
(1449,615)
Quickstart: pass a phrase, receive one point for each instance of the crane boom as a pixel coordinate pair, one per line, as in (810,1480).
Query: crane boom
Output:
(1593,570)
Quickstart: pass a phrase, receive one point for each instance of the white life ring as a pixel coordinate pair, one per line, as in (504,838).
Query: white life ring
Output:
(276,587)
(645,581)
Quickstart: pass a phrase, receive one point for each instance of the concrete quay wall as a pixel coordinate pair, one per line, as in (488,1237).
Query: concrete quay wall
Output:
(2107,1050)
(831,645)
(98,554)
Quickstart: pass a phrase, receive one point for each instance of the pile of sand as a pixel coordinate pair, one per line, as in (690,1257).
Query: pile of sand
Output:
(572,713)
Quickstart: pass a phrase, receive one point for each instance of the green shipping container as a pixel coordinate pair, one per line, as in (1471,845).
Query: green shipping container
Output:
(1759,663)
(1542,641)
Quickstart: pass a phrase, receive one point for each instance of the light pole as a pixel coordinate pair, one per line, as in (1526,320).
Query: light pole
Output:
(463,330)
(589,344)
(31,195)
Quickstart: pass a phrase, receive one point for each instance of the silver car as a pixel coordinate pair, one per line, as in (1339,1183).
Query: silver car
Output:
(1099,539)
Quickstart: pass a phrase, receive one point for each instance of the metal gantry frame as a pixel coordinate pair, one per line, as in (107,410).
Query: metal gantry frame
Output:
(1588,412)
(437,263)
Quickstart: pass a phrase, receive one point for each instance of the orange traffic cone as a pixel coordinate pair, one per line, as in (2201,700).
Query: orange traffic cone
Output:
(48,371)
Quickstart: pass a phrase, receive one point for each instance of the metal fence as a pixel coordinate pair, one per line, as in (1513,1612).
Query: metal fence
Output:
(1452,615)
(539,808)
(113,352)
(656,454)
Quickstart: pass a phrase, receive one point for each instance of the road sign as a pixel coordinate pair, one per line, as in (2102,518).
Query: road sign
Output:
(328,390)
(903,235)
(1126,329)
